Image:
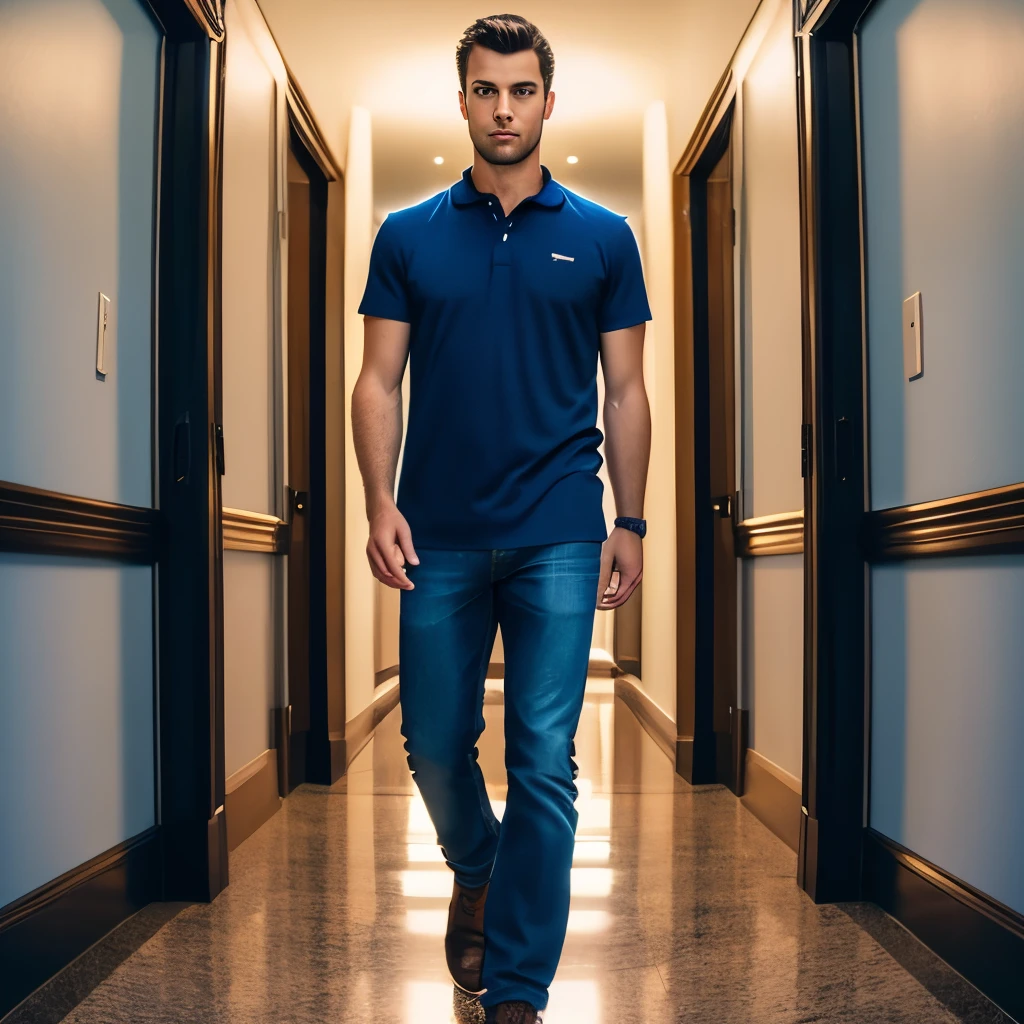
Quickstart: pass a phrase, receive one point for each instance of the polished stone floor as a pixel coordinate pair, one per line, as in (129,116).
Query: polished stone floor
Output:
(684,908)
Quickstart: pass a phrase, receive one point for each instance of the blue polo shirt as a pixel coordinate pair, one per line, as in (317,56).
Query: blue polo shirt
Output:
(505,315)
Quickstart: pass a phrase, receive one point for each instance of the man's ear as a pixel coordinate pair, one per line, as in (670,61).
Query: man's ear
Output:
(462,106)
(549,105)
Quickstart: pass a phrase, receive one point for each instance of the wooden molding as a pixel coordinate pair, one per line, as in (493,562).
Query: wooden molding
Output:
(985,522)
(306,125)
(254,531)
(384,675)
(36,521)
(975,934)
(210,16)
(716,109)
(42,932)
(359,730)
(781,534)
(656,723)
(251,797)
(772,795)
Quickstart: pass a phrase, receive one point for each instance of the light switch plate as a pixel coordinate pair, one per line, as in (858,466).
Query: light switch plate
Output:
(102,325)
(913,337)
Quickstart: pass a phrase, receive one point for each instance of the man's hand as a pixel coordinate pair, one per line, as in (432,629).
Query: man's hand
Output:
(389,546)
(622,554)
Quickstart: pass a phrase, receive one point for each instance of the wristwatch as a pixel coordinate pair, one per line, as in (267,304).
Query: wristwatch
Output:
(637,526)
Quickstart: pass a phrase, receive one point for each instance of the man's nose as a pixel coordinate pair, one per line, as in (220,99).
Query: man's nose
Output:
(504,110)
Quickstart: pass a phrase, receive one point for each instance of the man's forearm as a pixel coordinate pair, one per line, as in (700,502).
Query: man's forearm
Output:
(627,444)
(377,436)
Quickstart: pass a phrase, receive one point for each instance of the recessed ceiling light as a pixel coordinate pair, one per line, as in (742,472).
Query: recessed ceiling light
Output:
(572,159)
(438,160)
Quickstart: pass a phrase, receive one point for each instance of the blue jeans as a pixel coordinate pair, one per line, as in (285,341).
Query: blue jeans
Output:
(544,598)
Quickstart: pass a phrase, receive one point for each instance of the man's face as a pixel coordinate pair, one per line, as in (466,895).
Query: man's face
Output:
(505,106)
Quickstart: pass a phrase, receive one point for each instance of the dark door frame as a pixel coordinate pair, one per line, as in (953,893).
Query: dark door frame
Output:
(320,752)
(702,754)
(834,452)
(190,455)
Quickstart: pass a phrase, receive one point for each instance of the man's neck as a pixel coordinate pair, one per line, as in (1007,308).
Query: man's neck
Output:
(511,183)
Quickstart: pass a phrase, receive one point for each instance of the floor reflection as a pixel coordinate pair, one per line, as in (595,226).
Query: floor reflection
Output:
(684,908)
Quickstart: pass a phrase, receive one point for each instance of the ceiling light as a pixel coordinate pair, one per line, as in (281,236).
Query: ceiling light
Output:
(439,160)
(572,159)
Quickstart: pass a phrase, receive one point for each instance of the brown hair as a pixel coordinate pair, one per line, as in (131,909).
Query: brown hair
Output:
(506,33)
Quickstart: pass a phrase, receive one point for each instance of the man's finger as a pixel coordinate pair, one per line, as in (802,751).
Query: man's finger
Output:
(392,559)
(623,592)
(405,542)
(377,566)
(604,579)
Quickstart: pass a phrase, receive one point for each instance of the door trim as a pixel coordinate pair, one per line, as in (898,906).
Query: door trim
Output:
(190,668)
(836,661)
(697,756)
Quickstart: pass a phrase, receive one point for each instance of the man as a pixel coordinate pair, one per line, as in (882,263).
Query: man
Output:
(502,291)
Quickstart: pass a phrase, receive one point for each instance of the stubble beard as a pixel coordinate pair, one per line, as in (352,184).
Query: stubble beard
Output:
(506,155)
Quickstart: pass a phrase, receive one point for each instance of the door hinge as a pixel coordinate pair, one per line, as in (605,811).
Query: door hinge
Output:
(218,442)
(806,453)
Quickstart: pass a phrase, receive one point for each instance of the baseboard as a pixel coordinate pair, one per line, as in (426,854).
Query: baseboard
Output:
(655,721)
(41,933)
(359,730)
(976,935)
(251,797)
(601,664)
(384,675)
(772,795)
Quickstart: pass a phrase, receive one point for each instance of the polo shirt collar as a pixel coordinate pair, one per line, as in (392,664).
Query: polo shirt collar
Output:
(464,192)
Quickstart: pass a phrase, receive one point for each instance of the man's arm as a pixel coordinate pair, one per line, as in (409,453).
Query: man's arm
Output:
(377,435)
(627,432)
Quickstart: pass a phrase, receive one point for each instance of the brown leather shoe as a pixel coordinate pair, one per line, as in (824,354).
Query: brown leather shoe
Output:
(464,940)
(512,1013)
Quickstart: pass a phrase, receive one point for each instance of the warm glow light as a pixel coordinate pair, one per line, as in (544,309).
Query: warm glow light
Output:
(591,852)
(428,1001)
(588,922)
(426,922)
(439,160)
(430,884)
(572,159)
(591,882)
(575,1002)
(424,853)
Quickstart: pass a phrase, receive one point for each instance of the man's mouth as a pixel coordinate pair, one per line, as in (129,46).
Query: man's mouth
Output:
(504,135)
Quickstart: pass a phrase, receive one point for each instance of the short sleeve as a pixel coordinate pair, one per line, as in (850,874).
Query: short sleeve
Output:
(385,294)
(624,299)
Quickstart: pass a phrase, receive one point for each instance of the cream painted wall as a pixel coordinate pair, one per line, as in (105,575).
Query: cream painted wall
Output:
(769,391)
(360,600)
(658,628)
(252,327)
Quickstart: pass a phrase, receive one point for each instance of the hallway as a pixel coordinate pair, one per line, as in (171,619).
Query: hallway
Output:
(685,908)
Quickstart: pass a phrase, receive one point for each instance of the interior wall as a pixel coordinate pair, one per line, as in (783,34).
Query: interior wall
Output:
(251,306)
(770,384)
(942,158)
(76,636)
(658,619)
(249,657)
(77,772)
(946,710)
(360,601)
(944,215)
(77,433)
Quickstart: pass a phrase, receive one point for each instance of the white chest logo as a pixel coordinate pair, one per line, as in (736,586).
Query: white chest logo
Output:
(559,256)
